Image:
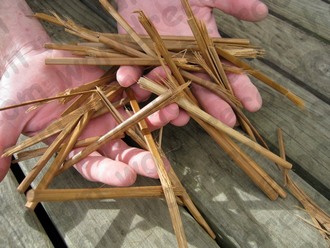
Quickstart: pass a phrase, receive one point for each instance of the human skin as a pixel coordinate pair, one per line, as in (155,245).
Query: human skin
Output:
(170,19)
(24,76)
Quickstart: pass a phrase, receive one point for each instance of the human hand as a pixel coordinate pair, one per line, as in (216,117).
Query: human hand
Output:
(26,77)
(169,19)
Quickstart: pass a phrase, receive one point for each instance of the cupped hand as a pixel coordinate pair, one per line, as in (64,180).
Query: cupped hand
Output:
(115,163)
(169,18)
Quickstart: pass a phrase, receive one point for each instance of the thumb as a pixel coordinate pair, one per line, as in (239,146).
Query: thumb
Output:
(248,10)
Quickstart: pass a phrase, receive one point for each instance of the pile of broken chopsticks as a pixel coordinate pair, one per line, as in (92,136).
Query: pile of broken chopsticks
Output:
(183,56)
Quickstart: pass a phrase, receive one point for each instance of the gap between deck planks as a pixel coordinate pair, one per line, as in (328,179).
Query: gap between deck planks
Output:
(117,223)
(18,227)
(313,16)
(301,62)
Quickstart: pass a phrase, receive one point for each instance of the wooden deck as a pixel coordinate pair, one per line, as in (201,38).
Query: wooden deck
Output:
(296,37)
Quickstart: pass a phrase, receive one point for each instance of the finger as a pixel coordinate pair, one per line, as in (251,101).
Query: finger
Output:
(169,114)
(139,160)
(157,74)
(139,93)
(245,91)
(105,170)
(214,105)
(249,10)
(182,119)
(128,75)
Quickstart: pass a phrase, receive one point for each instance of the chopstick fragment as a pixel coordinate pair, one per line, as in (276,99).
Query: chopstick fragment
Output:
(197,112)
(163,176)
(45,195)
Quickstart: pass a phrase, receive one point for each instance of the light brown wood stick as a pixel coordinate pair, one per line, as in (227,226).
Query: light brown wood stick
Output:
(64,151)
(44,100)
(240,158)
(150,108)
(46,156)
(321,217)
(85,36)
(118,46)
(189,203)
(195,111)
(282,153)
(54,128)
(124,24)
(45,195)
(48,18)
(107,61)
(66,47)
(221,92)
(40,151)
(163,176)
(262,77)
(119,119)
(126,37)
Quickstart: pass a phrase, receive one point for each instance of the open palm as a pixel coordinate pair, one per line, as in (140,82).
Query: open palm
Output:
(115,163)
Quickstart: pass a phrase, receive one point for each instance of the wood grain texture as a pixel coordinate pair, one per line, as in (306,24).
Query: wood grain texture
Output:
(301,63)
(117,223)
(18,227)
(306,131)
(237,210)
(311,15)
(289,49)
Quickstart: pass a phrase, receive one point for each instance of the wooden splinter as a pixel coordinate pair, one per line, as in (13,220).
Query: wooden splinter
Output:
(45,195)
(150,108)
(163,176)
(193,110)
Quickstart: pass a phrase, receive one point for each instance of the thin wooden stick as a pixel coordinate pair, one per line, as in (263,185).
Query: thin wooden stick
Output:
(21,156)
(163,176)
(122,22)
(46,156)
(262,77)
(150,108)
(119,119)
(43,100)
(118,46)
(46,195)
(54,128)
(193,110)
(282,153)
(127,37)
(64,151)
(316,213)
(187,202)
(107,61)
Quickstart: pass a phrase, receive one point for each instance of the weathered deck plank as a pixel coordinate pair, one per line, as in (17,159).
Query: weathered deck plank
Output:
(315,14)
(307,131)
(239,212)
(291,50)
(18,227)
